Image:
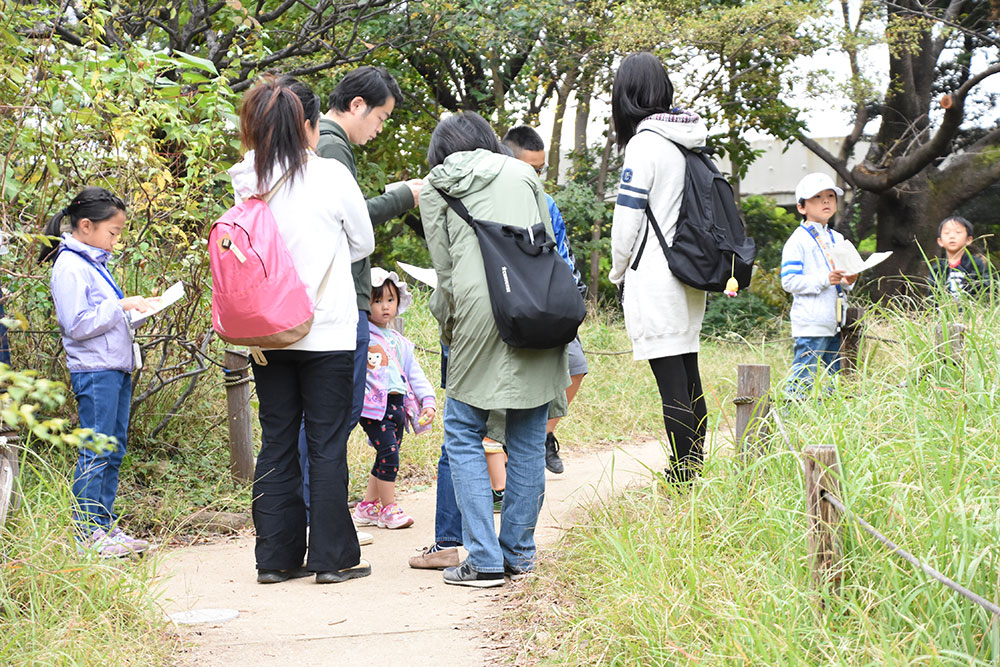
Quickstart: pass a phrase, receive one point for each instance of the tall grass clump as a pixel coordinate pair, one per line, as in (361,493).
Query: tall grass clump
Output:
(717,573)
(59,606)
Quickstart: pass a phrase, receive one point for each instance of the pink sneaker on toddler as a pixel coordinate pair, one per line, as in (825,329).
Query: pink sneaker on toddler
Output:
(392,516)
(366,513)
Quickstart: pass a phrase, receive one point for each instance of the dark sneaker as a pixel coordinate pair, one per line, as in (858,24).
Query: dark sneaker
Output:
(552,461)
(362,569)
(278,576)
(464,575)
(497,501)
(513,574)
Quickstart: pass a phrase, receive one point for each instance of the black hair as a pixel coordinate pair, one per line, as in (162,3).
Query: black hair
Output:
(272,122)
(94,203)
(463,131)
(378,291)
(372,84)
(523,138)
(955,218)
(642,88)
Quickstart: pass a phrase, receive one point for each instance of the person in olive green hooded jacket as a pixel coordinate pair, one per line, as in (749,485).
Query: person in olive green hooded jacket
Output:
(484,373)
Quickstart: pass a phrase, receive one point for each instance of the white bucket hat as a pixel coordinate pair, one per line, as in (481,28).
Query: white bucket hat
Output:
(814,183)
(380,275)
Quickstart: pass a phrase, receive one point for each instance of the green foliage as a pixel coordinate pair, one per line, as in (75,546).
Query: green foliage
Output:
(25,403)
(581,209)
(738,317)
(769,225)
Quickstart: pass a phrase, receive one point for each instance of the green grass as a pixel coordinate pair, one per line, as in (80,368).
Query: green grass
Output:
(718,574)
(61,607)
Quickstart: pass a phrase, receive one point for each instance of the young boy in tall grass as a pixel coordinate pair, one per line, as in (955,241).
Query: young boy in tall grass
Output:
(959,271)
(817,286)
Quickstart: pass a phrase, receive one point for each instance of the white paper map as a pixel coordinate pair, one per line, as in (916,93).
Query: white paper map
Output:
(426,276)
(847,259)
(170,296)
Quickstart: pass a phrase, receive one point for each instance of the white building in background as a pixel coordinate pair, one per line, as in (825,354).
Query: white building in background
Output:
(781,165)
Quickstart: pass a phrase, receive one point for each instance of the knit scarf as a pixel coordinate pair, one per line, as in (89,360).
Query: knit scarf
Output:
(678,115)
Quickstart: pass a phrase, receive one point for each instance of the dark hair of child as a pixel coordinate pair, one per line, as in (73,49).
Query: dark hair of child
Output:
(955,218)
(272,122)
(372,84)
(523,138)
(463,131)
(642,88)
(379,292)
(94,203)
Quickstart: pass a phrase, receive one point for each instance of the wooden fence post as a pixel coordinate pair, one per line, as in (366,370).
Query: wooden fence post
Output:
(850,340)
(951,341)
(822,475)
(240,420)
(753,386)
(9,499)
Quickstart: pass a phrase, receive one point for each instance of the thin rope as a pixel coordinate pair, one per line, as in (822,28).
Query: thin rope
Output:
(907,556)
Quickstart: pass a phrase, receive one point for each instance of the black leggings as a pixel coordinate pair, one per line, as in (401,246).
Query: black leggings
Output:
(684,411)
(386,436)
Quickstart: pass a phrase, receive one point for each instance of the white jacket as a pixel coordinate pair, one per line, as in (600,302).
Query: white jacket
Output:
(322,216)
(662,315)
(805,274)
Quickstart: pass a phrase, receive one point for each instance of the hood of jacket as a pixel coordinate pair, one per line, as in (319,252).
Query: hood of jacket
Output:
(685,128)
(245,178)
(467,171)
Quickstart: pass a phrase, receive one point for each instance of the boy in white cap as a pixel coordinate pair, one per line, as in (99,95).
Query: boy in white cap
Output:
(817,286)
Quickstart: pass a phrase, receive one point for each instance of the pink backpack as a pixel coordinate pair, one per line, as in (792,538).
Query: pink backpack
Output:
(258,298)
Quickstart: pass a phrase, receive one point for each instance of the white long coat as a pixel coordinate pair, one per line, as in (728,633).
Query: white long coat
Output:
(663,316)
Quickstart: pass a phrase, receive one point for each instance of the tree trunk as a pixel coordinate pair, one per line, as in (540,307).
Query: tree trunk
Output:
(595,229)
(584,92)
(555,144)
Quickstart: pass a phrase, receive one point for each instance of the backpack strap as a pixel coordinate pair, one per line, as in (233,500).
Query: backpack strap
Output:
(457,206)
(650,222)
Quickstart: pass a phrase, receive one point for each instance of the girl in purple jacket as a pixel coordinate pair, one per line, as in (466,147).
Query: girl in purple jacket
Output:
(397,395)
(95,318)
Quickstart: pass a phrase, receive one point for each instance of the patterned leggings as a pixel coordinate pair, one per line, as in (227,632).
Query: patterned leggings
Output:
(386,435)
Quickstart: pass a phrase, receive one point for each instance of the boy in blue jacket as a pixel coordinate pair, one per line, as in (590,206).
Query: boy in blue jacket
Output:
(817,286)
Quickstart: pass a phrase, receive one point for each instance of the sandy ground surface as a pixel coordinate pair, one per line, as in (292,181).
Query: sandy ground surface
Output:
(398,615)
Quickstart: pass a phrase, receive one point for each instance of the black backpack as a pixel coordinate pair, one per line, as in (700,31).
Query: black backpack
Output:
(710,242)
(533,295)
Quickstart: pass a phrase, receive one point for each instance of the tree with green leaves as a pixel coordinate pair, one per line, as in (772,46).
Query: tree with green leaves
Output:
(938,139)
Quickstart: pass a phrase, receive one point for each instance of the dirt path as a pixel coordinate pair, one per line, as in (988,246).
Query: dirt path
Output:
(397,616)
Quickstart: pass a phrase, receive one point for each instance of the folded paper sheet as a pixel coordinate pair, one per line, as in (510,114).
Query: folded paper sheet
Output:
(847,259)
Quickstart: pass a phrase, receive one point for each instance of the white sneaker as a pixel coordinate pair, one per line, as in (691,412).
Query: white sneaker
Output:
(364,538)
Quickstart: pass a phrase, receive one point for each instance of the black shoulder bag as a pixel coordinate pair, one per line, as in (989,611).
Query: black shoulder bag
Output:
(532,292)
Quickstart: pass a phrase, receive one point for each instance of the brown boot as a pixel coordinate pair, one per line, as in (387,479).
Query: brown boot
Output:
(432,558)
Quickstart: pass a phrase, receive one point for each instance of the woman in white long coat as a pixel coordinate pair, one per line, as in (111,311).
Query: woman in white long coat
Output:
(662,315)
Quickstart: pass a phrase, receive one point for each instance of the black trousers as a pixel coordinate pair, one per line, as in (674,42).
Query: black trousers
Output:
(684,411)
(316,386)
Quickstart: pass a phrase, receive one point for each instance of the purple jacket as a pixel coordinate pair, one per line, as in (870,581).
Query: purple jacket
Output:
(377,379)
(94,326)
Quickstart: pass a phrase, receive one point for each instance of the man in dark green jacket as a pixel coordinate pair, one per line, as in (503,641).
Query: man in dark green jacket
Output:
(359,105)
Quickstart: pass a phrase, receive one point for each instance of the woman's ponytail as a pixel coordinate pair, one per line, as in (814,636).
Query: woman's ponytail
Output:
(272,122)
(93,203)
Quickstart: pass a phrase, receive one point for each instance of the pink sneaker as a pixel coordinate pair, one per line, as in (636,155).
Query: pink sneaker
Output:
(392,517)
(133,543)
(366,513)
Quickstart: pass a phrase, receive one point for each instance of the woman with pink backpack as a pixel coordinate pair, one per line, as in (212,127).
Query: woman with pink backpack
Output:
(323,221)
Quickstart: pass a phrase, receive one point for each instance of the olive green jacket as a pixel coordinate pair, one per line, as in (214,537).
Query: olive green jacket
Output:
(483,371)
(334,144)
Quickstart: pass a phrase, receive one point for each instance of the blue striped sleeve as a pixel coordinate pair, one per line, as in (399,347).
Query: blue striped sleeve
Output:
(632,188)
(631,202)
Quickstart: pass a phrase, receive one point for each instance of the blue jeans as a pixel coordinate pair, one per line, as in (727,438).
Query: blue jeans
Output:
(464,429)
(447,517)
(357,403)
(810,351)
(103,399)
